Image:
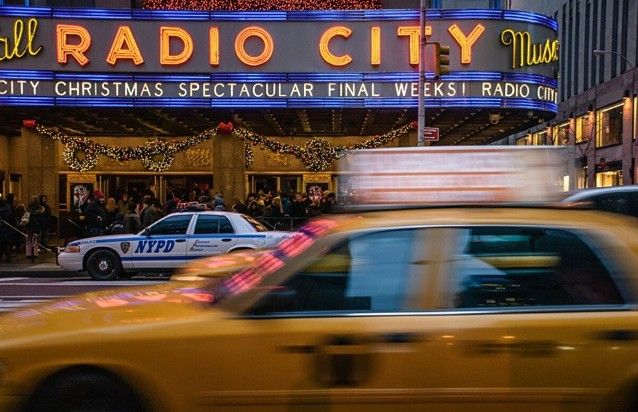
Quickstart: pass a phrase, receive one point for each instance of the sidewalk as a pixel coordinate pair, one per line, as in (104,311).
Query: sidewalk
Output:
(43,266)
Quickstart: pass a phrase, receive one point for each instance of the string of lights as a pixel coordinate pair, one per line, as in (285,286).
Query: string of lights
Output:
(255,5)
(317,154)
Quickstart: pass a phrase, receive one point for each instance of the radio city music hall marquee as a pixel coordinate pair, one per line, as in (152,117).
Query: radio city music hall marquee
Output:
(274,59)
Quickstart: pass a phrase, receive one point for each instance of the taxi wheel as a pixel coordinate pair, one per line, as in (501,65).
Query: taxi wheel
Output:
(103,265)
(84,391)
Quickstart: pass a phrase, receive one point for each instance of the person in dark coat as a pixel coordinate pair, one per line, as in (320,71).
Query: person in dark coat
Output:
(6,231)
(132,222)
(96,215)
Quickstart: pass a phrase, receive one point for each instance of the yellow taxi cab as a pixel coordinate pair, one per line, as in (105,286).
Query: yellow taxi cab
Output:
(217,266)
(435,309)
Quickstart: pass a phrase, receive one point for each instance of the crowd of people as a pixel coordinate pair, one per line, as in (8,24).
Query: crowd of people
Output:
(25,227)
(283,208)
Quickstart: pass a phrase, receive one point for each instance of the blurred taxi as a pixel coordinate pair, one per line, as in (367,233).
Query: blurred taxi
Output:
(217,266)
(437,309)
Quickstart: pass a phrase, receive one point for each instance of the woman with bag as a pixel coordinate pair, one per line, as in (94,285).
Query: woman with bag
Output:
(32,220)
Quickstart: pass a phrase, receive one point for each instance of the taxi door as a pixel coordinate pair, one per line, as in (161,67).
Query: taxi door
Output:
(561,334)
(350,330)
(164,245)
(212,235)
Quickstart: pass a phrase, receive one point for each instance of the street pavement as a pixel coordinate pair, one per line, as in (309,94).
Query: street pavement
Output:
(20,291)
(24,283)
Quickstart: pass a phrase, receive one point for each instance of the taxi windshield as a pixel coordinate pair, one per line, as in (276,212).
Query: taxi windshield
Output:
(269,262)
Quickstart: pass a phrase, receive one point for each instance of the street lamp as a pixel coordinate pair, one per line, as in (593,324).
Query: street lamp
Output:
(603,52)
(632,67)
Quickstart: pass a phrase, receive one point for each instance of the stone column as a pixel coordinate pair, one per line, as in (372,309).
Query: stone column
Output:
(627,143)
(34,157)
(228,167)
(409,139)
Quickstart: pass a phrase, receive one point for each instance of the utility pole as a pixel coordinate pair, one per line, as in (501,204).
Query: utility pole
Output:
(421,99)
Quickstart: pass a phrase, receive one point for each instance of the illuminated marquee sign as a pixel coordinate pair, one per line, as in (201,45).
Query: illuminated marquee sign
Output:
(274,59)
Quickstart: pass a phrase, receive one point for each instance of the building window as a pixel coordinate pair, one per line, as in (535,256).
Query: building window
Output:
(581,181)
(614,38)
(635,122)
(560,134)
(521,141)
(624,31)
(577,53)
(587,46)
(584,128)
(609,128)
(540,138)
(594,41)
(609,178)
(570,40)
(603,36)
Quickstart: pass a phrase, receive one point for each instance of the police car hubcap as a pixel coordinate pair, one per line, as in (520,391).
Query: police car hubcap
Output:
(103,265)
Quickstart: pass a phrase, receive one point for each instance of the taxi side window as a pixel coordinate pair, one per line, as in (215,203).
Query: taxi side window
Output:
(378,272)
(515,267)
(173,225)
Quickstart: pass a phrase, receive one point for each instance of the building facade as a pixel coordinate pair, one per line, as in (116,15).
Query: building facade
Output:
(597,88)
(106,96)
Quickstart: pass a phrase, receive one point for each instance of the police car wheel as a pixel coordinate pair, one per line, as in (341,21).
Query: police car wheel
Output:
(103,265)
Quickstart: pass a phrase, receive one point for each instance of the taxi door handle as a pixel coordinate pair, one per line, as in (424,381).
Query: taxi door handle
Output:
(226,240)
(180,240)
(618,335)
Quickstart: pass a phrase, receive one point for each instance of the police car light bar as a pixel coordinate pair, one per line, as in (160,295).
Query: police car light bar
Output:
(192,207)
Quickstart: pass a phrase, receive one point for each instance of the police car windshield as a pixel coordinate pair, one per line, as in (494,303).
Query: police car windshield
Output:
(258,226)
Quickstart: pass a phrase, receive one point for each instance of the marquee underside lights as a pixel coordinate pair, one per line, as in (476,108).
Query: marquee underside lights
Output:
(333,58)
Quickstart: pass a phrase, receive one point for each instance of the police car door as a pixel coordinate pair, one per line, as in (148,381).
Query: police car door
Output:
(213,234)
(165,243)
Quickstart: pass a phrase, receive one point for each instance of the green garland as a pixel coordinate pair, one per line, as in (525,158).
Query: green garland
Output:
(158,155)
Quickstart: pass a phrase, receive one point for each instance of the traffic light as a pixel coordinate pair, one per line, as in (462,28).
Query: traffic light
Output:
(442,59)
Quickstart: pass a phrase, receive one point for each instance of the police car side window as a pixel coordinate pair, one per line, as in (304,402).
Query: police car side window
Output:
(519,267)
(355,277)
(173,225)
(207,224)
(225,226)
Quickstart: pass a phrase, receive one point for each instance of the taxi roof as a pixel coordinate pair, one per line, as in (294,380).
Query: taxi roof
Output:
(488,214)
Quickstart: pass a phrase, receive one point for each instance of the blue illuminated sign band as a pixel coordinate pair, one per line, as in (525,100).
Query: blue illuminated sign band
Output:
(479,102)
(321,15)
(280,77)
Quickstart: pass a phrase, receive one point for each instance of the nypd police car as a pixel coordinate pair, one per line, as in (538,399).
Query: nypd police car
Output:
(167,244)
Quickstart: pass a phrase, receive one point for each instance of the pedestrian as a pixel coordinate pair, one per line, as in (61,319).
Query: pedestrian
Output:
(6,230)
(132,222)
(46,219)
(111,211)
(148,215)
(298,208)
(32,221)
(172,204)
(96,215)
(239,207)
(122,204)
(218,202)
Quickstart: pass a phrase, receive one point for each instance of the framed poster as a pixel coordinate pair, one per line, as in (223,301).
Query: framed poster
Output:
(79,189)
